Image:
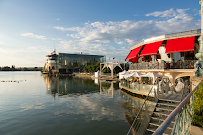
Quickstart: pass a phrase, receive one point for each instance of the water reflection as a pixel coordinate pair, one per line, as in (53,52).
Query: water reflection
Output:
(67,85)
(96,81)
(108,88)
(133,105)
(97,108)
(83,99)
(78,108)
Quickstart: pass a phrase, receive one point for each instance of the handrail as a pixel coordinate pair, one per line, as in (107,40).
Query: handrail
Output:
(186,64)
(164,125)
(140,110)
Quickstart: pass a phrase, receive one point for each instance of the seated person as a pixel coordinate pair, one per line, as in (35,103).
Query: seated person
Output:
(123,79)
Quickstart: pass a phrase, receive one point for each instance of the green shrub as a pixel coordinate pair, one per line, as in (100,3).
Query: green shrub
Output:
(92,68)
(198,106)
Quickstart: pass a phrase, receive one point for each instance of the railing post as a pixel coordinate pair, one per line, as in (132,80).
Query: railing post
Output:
(158,89)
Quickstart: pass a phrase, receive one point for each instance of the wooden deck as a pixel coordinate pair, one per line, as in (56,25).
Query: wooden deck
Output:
(171,97)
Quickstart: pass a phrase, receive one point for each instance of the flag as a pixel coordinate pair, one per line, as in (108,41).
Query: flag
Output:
(53,52)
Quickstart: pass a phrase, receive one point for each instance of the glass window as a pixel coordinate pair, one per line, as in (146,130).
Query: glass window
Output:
(176,56)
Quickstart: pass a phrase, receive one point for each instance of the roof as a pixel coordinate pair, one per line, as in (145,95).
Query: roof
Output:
(167,37)
(71,54)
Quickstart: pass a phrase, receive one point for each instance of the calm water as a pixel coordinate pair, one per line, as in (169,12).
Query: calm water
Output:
(36,104)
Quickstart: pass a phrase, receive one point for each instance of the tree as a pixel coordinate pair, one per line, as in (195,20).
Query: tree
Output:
(92,68)
(198,106)
(86,69)
(106,70)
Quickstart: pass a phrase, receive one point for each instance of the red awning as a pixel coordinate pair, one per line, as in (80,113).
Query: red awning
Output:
(134,59)
(151,49)
(133,53)
(180,45)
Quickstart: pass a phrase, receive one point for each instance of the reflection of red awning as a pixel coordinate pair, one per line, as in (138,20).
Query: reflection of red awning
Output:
(133,53)
(151,49)
(180,45)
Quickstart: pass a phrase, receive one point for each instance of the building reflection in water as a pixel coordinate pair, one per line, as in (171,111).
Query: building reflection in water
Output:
(109,88)
(96,81)
(51,84)
(133,104)
(62,86)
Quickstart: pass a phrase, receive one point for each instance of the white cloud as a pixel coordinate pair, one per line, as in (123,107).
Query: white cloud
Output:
(75,35)
(2,43)
(35,106)
(102,37)
(91,109)
(61,28)
(58,19)
(33,35)
(4,36)
(167,13)
(56,39)
(27,51)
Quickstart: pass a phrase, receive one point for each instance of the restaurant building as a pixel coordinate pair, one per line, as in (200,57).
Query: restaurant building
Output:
(67,62)
(172,55)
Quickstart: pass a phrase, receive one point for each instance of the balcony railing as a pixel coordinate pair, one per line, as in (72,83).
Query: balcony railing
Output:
(186,64)
(183,115)
(136,87)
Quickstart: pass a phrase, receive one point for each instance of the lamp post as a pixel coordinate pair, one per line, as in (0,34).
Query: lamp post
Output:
(199,64)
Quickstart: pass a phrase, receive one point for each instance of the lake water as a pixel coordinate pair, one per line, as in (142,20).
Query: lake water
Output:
(37,104)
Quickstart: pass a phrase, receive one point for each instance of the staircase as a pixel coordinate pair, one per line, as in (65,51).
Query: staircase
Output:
(164,107)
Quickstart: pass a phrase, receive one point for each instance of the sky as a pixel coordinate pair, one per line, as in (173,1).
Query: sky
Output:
(30,29)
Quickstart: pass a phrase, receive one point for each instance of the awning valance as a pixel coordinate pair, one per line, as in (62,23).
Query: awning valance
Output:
(151,49)
(133,53)
(180,45)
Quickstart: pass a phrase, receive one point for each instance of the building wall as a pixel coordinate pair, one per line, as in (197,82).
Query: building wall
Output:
(78,61)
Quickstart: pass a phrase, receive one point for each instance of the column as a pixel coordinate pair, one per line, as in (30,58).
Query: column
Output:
(199,64)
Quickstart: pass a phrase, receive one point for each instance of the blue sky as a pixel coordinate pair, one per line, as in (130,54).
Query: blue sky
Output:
(29,29)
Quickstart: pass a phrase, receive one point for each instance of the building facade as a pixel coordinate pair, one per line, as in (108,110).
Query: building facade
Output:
(172,55)
(66,62)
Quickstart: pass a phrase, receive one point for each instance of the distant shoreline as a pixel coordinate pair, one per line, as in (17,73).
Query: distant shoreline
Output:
(17,70)
(83,75)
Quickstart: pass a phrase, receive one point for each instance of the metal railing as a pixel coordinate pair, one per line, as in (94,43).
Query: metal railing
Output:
(186,64)
(161,88)
(183,117)
(146,65)
(136,87)
(142,119)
